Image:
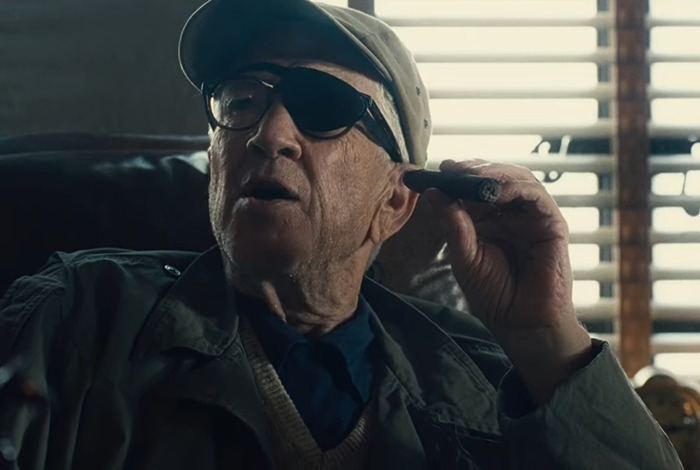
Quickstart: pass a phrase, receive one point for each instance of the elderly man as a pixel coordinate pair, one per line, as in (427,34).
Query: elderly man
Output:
(272,349)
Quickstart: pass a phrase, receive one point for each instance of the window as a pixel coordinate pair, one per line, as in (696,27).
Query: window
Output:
(534,82)
(531,86)
(674,164)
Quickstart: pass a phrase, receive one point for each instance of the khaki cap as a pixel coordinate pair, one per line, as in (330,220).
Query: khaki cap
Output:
(222,28)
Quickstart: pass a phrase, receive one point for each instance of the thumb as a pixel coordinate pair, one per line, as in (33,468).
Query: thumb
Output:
(459,227)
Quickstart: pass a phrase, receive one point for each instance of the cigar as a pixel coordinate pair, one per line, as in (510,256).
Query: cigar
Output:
(455,185)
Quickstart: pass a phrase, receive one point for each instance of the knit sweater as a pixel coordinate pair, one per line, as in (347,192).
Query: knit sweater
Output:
(293,445)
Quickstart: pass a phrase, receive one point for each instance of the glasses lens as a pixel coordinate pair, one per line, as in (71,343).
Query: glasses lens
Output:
(238,103)
(321,104)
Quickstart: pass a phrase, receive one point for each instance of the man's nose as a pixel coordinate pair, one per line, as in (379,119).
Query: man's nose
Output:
(276,134)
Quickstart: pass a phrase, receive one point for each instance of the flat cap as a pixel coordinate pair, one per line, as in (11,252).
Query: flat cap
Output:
(220,30)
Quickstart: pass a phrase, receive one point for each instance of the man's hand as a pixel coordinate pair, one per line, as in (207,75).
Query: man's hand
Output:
(511,260)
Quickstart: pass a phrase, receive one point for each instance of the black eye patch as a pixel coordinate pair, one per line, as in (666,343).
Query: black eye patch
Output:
(320,102)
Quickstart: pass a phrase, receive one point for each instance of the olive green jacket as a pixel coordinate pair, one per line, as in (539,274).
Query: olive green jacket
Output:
(133,360)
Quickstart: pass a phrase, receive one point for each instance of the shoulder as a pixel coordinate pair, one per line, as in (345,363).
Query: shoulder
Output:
(116,280)
(109,270)
(116,257)
(87,293)
(104,268)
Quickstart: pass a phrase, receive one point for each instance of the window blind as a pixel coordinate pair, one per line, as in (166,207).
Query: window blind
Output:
(674,165)
(528,82)
(532,82)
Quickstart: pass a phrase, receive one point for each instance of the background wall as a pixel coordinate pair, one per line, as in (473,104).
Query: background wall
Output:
(95,66)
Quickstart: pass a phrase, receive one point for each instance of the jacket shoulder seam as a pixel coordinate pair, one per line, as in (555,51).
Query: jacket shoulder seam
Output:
(13,326)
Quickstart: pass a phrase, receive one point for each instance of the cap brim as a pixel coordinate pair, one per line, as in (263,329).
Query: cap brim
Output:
(219,31)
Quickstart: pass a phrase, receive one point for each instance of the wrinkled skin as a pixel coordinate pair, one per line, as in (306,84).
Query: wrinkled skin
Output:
(305,257)
(511,260)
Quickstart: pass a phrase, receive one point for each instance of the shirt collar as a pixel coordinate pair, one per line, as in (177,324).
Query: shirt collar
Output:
(199,313)
(275,336)
(351,339)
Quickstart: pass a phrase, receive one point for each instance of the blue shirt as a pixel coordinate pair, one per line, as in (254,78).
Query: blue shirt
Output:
(329,379)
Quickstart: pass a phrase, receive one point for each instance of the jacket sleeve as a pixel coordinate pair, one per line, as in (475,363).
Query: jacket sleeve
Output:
(595,420)
(31,314)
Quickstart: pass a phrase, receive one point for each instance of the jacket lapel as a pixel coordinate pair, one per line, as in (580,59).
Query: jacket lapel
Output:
(436,375)
(196,313)
(428,385)
(433,402)
(196,324)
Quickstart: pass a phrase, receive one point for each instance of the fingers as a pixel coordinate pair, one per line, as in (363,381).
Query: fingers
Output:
(524,210)
(521,192)
(461,231)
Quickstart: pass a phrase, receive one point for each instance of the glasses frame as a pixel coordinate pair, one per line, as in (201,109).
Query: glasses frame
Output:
(376,126)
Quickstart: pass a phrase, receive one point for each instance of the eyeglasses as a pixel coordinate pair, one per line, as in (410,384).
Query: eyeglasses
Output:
(321,105)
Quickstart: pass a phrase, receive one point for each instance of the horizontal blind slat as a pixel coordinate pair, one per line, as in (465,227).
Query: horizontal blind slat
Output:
(656,22)
(656,130)
(675,342)
(602,236)
(602,20)
(685,200)
(603,91)
(658,274)
(602,128)
(604,309)
(673,163)
(670,237)
(655,93)
(675,312)
(655,57)
(578,163)
(662,342)
(601,56)
(602,199)
(603,272)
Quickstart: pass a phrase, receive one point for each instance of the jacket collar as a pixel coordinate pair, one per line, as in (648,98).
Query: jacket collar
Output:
(197,313)
(428,369)
(436,376)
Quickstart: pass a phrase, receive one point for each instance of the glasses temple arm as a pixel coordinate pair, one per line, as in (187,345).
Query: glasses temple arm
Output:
(378,127)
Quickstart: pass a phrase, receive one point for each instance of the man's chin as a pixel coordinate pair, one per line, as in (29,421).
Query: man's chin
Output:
(265,263)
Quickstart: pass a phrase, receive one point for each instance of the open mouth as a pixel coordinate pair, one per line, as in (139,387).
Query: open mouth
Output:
(268,191)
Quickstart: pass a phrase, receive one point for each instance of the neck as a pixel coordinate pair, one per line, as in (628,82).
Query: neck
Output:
(314,299)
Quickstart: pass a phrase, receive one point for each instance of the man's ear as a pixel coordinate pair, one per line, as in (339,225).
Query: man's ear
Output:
(395,206)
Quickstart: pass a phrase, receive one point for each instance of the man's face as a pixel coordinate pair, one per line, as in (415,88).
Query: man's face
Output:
(281,201)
